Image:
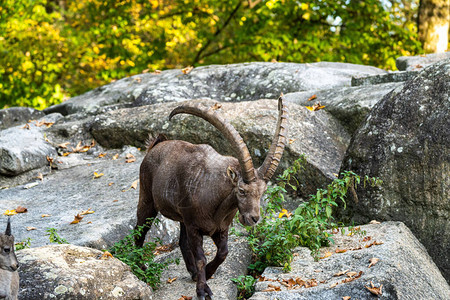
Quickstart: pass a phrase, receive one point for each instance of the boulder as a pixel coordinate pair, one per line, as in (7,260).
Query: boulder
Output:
(24,148)
(72,272)
(316,134)
(398,76)
(15,116)
(405,141)
(384,254)
(176,281)
(236,82)
(411,63)
(349,105)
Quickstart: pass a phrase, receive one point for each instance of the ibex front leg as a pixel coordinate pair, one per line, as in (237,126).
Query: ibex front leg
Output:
(196,244)
(221,241)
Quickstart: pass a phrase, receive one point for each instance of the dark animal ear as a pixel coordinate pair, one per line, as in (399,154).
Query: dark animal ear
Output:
(8,228)
(232,174)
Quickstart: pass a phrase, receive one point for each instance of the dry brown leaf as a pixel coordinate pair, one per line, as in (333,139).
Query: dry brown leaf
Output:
(340,250)
(185,298)
(374,222)
(115,200)
(130,158)
(291,141)
(346,298)
(378,243)
(64,145)
(87,212)
(312,97)
(40,176)
(102,154)
(328,254)
(21,209)
(29,228)
(45,215)
(157,72)
(216,106)
(310,283)
(48,124)
(373,261)
(351,273)
(170,280)
(366,238)
(341,273)
(333,285)
(26,126)
(187,70)
(375,290)
(106,255)
(134,184)
(77,219)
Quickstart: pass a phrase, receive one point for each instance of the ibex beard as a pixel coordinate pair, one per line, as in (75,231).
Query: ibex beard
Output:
(203,190)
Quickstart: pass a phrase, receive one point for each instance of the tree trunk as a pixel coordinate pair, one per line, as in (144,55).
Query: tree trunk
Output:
(433,25)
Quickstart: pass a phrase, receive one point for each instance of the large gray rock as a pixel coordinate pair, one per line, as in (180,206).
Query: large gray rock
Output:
(316,134)
(404,269)
(350,105)
(398,76)
(15,116)
(405,141)
(23,149)
(236,263)
(411,63)
(72,272)
(237,82)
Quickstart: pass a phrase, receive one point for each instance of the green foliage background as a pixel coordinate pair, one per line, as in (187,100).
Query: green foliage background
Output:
(54,49)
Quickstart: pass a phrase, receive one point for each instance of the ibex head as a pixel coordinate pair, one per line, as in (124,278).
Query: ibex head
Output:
(8,260)
(249,183)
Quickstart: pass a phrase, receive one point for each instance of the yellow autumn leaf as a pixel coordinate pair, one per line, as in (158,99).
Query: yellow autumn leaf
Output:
(328,254)
(10,212)
(98,175)
(283,213)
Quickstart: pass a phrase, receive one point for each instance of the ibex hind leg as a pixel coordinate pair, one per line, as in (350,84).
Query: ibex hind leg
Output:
(188,256)
(146,213)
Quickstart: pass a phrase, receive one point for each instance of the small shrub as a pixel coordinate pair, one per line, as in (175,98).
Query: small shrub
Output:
(245,286)
(54,236)
(26,243)
(140,260)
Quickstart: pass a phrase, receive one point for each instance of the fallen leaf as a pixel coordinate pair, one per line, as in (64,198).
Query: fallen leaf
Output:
(157,72)
(40,176)
(10,212)
(374,222)
(48,124)
(312,97)
(378,243)
(26,126)
(333,285)
(110,184)
(170,280)
(351,274)
(87,212)
(187,70)
(130,158)
(216,106)
(373,261)
(375,290)
(138,79)
(97,175)
(185,298)
(106,255)
(134,184)
(64,145)
(115,200)
(115,157)
(315,107)
(29,228)
(102,154)
(284,212)
(341,273)
(45,216)
(328,254)
(366,238)
(77,219)
(340,250)
(21,209)
(346,298)
(291,141)
(272,288)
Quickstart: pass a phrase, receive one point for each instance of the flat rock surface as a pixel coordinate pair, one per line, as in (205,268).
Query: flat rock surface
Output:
(404,269)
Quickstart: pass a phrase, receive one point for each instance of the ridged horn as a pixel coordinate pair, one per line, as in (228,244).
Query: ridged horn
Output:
(8,227)
(235,139)
(270,164)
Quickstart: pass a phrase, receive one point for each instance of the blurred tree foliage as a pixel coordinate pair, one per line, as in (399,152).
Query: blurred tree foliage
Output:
(54,49)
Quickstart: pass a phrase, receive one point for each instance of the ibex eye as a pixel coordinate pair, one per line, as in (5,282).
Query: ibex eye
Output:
(241,191)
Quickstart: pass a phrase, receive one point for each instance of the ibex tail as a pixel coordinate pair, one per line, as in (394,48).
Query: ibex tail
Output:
(150,143)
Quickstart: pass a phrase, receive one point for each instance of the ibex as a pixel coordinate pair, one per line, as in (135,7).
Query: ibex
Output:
(9,277)
(203,190)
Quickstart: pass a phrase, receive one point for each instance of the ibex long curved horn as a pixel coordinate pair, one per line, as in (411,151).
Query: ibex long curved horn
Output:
(270,164)
(235,139)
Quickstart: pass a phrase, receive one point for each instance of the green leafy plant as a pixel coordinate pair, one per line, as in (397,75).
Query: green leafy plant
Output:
(245,285)
(140,260)
(24,244)
(54,236)
(279,231)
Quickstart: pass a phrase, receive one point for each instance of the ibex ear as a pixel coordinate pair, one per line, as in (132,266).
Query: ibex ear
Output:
(232,175)
(8,228)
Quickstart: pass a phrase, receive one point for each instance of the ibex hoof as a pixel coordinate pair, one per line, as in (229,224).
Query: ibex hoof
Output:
(201,298)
